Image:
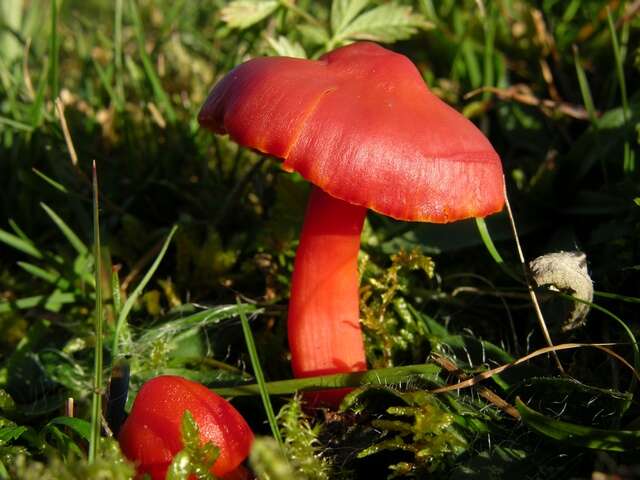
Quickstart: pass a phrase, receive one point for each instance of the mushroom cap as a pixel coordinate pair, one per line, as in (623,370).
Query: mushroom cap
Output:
(151,435)
(361,124)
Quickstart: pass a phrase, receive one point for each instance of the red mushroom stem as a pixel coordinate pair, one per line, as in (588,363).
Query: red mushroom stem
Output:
(324,321)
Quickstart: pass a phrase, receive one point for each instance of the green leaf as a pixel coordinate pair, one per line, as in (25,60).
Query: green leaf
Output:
(81,427)
(344,11)
(6,401)
(579,435)
(10,433)
(242,14)
(313,34)
(286,48)
(387,23)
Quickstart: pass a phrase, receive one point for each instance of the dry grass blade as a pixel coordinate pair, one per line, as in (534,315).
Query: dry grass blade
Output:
(65,132)
(523,94)
(484,392)
(542,351)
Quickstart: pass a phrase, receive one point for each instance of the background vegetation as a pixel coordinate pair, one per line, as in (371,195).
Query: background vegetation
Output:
(554,84)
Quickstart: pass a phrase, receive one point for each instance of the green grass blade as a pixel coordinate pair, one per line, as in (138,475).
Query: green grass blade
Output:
(628,162)
(128,305)
(105,81)
(54,51)
(15,124)
(25,246)
(257,371)
(615,296)
(96,397)
(585,90)
(488,242)
(46,275)
(579,435)
(187,321)
(117,47)
(115,293)
(381,376)
(161,96)
(37,110)
(493,251)
(71,237)
(58,186)
(16,228)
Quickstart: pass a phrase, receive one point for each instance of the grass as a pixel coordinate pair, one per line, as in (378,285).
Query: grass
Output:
(189,222)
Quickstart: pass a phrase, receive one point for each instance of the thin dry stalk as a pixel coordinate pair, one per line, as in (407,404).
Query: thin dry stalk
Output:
(532,293)
(523,94)
(542,351)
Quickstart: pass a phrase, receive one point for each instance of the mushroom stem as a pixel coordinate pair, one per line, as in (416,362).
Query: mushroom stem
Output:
(324,321)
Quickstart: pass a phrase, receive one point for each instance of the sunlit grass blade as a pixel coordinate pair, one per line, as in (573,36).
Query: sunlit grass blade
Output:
(52,302)
(128,305)
(20,244)
(96,397)
(257,371)
(381,376)
(70,235)
(43,274)
(493,251)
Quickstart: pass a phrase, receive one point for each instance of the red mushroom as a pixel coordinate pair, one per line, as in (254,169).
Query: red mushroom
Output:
(361,125)
(151,434)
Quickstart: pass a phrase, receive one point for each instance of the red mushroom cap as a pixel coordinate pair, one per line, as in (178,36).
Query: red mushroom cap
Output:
(361,124)
(151,434)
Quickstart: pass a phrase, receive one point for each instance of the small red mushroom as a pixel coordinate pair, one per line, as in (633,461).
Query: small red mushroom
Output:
(151,435)
(362,126)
